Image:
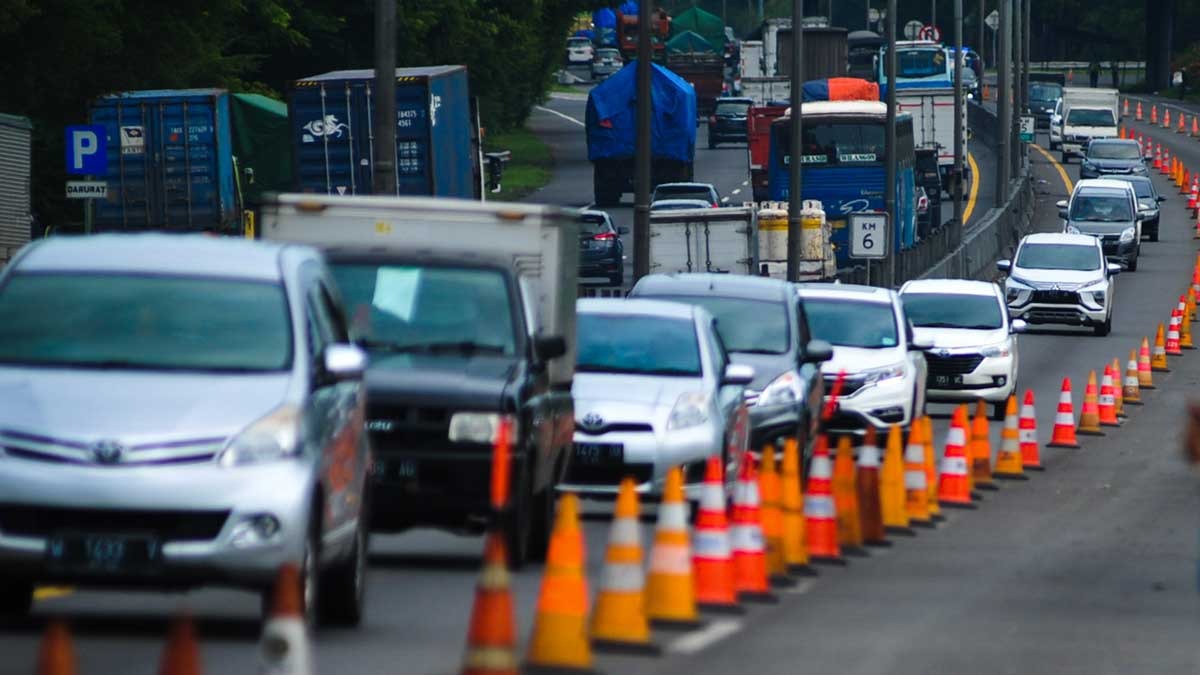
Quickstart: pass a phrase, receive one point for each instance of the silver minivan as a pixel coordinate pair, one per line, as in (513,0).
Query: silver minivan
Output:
(179,410)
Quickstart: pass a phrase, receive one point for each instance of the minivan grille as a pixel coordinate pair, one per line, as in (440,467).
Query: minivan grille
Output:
(41,521)
(957,364)
(56,450)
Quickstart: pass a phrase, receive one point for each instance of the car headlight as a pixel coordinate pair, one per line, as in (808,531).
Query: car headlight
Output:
(478,427)
(1097,291)
(782,390)
(997,351)
(1128,234)
(272,437)
(1139,168)
(691,409)
(877,375)
(1071,229)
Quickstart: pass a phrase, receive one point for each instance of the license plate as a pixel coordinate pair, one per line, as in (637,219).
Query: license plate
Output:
(391,470)
(947,380)
(103,553)
(594,454)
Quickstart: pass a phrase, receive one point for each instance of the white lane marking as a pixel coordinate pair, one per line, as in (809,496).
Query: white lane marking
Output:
(801,587)
(737,191)
(705,637)
(745,182)
(724,200)
(555,112)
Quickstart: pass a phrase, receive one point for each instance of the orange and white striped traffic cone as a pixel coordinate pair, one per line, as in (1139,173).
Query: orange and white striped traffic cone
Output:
(670,588)
(750,575)
(1172,347)
(820,511)
(1195,127)
(1138,114)
(1125,108)
(1089,417)
(931,475)
(1154,114)
(981,449)
(1107,403)
(1063,435)
(1009,464)
(870,507)
(492,636)
(845,498)
(1185,323)
(1118,390)
(1031,456)
(712,552)
(1180,128)
(1158,356)
(916,489)
(619,622)
(286,646)
(1166,119)
(560,640)
(954,479)
(1157,163)
(56,653)
(1131,392)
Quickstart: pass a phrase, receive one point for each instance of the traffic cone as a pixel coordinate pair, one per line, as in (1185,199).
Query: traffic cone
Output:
(1125,109)
(285,645)
(1165,169)
(1158,357)
(891,485)
(670,588)
(712,557)
(916,489)
(1195,127)
(492,637)
(1009,463)
(1157,163)
(1185,323)
(1107,404)
(981,450)
(1196,277)
(182,655)
(1180,128)
(870,508)
(1172,347)
(559,639)
(1190,307)
(770,492)
(1089,419)
(1118,390)
(1191,203)
(1121,132)
(619,622)
(820,511)
(1131,393)
(954,486)
(1166,120)
(1063,435)
(931,476)
(749,550)
(1138,114)
(1154,114)
(1031,456)
(795,539)
(56,654)
(845,498)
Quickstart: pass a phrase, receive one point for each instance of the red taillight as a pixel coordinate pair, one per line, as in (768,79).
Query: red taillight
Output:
(712,119)
(605,236)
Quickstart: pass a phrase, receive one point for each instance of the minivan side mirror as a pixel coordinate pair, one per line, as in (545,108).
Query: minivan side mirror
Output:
(1018,326)
(1160,199)
(344,362)
(1004,265)
(817,351)
(737,375)
(548,347)
(920,345)
(1114,269)
(1062,203)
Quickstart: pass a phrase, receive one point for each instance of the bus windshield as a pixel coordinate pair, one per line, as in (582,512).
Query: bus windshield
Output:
(837,142)
(917,64)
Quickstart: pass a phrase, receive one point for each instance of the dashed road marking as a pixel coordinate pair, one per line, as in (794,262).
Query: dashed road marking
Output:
(705,637)
(745,182)
(724,200)
(558,114)
(803,586)
(737,191)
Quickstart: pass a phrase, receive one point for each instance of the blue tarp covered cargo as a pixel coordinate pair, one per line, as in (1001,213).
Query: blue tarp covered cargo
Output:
(612,116)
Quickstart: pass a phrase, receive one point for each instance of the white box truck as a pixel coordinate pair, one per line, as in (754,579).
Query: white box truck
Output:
(766,90)
(721,240)
(932,113)
(1086,114)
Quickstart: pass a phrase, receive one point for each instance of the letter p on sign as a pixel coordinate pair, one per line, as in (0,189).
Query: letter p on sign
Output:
(87,150)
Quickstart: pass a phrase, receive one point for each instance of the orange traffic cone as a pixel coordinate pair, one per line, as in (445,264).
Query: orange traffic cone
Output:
(1063,435)
(670,589)
(1173,348)
(770,493)
(1196,277)
(1165,169)
(619,622)
(559,639)
(1191,203)
(285,645)
(1089,419)
(712,556)
(1031,456)
(749,550)
(1107,404)
(1131,392)
(1158,357)
(56,654)
(870,509)
(820,511)
(1138,115)
(891,486)
(1185,324)
(931,476)
(1154,114)
(182,655)
(1121,132)
(1118,390)
(1166,120)
(492,637)
(1157,163)
(916,490)
(1125,109)
(954,480)
(1195,127)
(981,450)
(1009,463)
(1180,128)
(845,498)
(795,539)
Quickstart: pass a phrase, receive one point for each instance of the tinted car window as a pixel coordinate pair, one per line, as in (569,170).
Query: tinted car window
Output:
(1044,92)
(1114,151)
(952,310)
(682,192)
(746,325)
(643,345)
(732,108)
(1059,257)
(852,324)
(1101,208)
(144,322)
(590,226)
(920,63)
(1090,118)
(1142,188)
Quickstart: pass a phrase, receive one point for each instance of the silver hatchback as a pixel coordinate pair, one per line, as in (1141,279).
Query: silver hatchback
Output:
(179,411)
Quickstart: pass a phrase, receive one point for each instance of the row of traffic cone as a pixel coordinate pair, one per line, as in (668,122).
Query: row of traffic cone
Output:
(1180,127)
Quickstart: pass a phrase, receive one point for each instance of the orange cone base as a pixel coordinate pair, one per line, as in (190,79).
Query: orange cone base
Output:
(634,648)
(984,486)
(879,543)
(1059,444)
(828,560)
(805,570)
(903,531)
(1144,387)
(938,518)
(721,608)
(856,552)
(759,597)
(923,524)
(1128,402)
(1010,476)
(1089,432)
(781,581)
(1157,369)
(970,506)
(1034,467)
(533,669)
(1111,424)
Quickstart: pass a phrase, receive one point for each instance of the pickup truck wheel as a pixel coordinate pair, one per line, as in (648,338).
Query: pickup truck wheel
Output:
(518,522)
(1104,328)
(16,598)
(343,586)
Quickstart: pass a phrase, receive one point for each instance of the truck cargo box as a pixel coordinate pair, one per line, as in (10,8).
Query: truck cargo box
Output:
(612,116)
(15,148)
(437,136)
(721,240)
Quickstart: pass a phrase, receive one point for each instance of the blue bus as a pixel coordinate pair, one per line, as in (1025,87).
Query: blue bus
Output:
(920,64)
(845,165)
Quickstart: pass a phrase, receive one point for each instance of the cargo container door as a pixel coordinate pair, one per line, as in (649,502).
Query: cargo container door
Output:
(326,129)
(130,204)
(415,156)
(192,161)
(452,167)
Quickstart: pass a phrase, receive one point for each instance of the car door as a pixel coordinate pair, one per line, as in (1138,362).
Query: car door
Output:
(730,399)
(915,357)
(810,373)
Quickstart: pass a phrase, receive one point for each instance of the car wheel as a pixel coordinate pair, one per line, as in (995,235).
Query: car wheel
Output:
(1104,328)
(1154,233)
(343,586)
(1133,263)
(16,598)
(518,523)
(310,585)
(539,538)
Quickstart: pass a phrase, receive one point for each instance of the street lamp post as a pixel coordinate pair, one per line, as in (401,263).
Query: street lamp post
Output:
(642,162)
(795,177)
(383,174)
(889,187)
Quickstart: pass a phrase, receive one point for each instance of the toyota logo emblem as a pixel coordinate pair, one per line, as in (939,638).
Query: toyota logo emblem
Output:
(592,421)
(107,452)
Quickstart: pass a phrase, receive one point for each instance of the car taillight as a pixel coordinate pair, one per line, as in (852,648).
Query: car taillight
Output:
(712,119)
(605,236)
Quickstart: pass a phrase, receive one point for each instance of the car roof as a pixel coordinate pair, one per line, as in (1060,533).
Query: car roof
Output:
(638,307)
(720,285)
(954,286)
(735,99)
(1060,238)
(1101,183)
(853,292)
(157,253)
(705,186)
(703,203)
(1115,141)
(595,213)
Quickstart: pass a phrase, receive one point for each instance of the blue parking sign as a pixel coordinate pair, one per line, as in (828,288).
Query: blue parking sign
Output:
(87,150)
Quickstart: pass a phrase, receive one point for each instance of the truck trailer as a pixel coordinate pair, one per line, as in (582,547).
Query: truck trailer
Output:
(15,158)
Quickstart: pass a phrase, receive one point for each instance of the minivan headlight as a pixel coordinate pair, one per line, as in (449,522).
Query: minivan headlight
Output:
(997,351)
(272,437)
(691,409)
(877,375)
(1128,234)
(782,390)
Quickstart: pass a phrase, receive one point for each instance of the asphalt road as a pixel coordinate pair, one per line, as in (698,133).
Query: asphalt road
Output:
(1089,567)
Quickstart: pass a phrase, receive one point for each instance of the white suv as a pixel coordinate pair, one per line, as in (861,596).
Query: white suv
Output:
(1060,279)
(974,354)
(874,345)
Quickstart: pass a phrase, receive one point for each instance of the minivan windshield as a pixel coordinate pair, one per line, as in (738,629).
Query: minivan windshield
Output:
(1083,117)
(1114,151)
(1073,257)
(637,345)
(144,322)
(410,308)
(953,310)
(749,326)
(1044,92)
(849,323)
(1101,208)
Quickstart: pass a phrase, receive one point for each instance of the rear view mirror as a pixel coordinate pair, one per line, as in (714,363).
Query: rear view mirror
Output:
(920,344)
(549,347)
(344,362)
(1062,203)
(1018,326)
(817,351)
(1004,265)
(1160,199)
(1114,269)
(738,375)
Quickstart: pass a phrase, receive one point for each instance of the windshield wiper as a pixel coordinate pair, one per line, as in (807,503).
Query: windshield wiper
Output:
(463,346)
(755,351)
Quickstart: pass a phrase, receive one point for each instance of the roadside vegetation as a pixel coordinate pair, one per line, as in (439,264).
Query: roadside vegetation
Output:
(529,168)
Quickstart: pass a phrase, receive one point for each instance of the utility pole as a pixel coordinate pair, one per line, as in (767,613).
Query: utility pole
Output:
(1004,100)
(959,64)
(932,12)
(1027,62)
(383,173)
(889,185)
(642,163)
(796,149)
(981,45)
(1018,75)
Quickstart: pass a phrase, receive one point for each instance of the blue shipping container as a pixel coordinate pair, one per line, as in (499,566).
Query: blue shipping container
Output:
(436,133)
(170,161)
